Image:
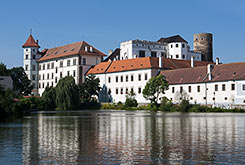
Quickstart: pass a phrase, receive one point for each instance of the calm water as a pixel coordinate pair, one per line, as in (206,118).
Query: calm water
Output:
(138,137)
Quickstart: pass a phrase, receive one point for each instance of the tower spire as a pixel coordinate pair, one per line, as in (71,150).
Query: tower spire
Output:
(30,31)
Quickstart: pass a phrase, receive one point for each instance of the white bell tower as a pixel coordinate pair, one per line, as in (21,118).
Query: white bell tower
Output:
(31,55)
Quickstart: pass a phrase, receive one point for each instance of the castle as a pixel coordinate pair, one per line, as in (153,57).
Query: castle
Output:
(191,74)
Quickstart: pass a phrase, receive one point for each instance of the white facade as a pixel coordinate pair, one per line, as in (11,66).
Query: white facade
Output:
(121,83)
(139,48)
(30,65)
(51,71)
(181,51)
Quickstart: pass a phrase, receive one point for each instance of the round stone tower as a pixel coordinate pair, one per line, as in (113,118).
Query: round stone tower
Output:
(203,43)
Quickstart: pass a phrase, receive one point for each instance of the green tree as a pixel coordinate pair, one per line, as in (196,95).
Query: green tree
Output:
(3,70)
(6,101)
(67,94)
(130,100)
(48,98)
(154,87)
(22,85)
(90,88)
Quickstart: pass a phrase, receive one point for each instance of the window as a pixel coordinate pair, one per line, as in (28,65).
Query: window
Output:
(132,89)
(225,98)
(172,89)
(43,66)
(132,77)
(126,78)
(243,87)
(116,90)
(216,87)
(40,67)
(213,98)
(52,65)
(153,54)
(52,76)
(109,79)
(48,66)
(91,49)
(43,76)
(223,87)
(52,84)
(74,73)
(26,68)
(177,56)
(39,77)
(33,50)
(61,64)
(86,48)
(121,91)
(232,87)
(55,79)
(74,62)
(61,75)
(126,92)
(33,77)
(204,98)
(181,89)
(139,90)
(171,46)
(121,78)
(146,76)
(183,56)
(198,88)
(68,73)
(116,78)
(84,61)
(26,56)
(139,77)
(43,85)
(56,70)
(68,62)
(163,54)
(47,84)
(189,89)
(26,50)
(177,45)
(141,53)
(39,85)
(183,45)
(34,56)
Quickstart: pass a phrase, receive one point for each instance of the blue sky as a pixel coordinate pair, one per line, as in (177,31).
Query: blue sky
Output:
(105,23)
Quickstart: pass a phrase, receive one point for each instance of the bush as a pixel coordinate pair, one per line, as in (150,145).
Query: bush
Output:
(184,106)
(166,104)
(130,102)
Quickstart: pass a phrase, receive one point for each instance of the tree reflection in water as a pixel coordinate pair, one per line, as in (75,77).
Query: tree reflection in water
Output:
(134,137)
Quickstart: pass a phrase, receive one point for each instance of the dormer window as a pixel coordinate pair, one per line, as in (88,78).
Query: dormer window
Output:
(91,49)
(177,45)
(86,48)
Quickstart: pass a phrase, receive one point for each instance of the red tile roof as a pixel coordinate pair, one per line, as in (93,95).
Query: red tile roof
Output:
(142,63)
(77,48)
(221,72)
(30,42)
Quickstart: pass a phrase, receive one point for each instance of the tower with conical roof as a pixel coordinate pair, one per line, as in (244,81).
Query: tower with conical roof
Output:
(31,55)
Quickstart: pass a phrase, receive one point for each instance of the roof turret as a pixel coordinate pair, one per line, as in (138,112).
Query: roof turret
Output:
(30,42)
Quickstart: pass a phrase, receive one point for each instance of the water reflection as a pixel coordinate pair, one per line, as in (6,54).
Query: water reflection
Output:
(134,137)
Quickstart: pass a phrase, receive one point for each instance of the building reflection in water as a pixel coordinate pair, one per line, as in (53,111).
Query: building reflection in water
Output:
(133,137)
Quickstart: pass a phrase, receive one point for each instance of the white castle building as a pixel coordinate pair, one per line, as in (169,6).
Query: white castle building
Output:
(189,74)
(46,67)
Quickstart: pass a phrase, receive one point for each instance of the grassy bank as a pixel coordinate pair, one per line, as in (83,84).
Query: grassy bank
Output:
(184,106)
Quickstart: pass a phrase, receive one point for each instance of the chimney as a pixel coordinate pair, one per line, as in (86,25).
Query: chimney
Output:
(160,62)
(192,61)
(217,61)
(209,71)
(110,52)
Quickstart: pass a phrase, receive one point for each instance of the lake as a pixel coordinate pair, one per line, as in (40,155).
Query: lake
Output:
(123,137)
